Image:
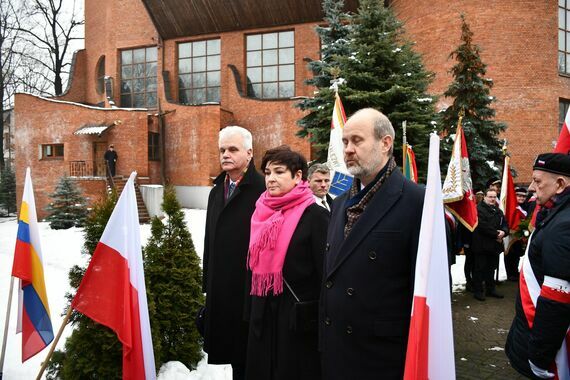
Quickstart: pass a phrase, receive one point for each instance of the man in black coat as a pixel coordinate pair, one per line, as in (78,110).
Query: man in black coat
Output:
(230,206)
(111,157)
(487,245)
(319,177)
(370,258)
(538,339)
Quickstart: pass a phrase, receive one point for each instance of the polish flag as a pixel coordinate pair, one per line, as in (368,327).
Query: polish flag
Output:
(563,143)
(430,342)
(508,203)
(112,291)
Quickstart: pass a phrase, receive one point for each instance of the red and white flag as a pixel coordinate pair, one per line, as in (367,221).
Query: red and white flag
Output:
(563,143)
(430,343)
(112,291)
(508,203)
(458,188)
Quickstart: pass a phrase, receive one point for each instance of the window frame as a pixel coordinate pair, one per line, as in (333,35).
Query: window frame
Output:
(54,147)
(132,79)
(205,71)
(267,69)
(563,57)
(563,106)
(153,146)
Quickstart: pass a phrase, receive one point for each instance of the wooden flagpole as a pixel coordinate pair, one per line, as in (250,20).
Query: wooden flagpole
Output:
(6,323)
(404,146)
(54,343)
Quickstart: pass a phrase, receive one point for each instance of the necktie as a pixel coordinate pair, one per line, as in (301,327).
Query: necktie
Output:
(325,204)
(231,188)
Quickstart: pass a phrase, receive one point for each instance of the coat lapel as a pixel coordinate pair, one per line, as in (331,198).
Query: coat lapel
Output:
(379,205)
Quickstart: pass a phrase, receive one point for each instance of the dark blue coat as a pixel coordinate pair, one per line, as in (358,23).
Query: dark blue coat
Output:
(368,284)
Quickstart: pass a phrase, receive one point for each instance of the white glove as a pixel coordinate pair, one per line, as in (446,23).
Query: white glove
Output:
(539,372)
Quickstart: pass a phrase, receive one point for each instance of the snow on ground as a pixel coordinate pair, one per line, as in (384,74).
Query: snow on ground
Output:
(61,250)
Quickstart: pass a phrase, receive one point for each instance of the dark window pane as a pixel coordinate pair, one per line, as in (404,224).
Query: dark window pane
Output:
(269,57)
(199,80)
(59,150)
(213,94)
(185,81)
(270,74)
(126,100)
(254,90)
(151,54)
(213,78)
(185,65)
(253,58)
(254,74)
(184,96)
(184,50)
(151,69)
(138,70)
(138,101)
(286,89)
(213,46)
(253,42)
(126,72)
(199,64)
(286,39)
(270,90)
(138,85)
(126,57)
(151,99)
(286,56)
(138,55)
(199,96)
(269,41)
(151,84)
(213,62)
(126,86)
(286,72)
(199,48)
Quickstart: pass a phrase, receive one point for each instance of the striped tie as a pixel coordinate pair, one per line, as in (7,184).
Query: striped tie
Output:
(231,189)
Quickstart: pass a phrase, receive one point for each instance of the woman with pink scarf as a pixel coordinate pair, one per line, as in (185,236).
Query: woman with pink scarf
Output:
(287,244)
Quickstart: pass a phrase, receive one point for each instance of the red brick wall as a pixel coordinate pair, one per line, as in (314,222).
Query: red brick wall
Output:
(77,86)
(519,44)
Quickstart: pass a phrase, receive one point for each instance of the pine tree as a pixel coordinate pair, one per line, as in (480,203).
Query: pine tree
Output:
(68,208)
(93,350)
(7,191)
(471,91)
(173,275)
(334,44)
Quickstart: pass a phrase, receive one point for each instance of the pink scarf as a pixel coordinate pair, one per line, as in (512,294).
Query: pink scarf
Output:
(272,225)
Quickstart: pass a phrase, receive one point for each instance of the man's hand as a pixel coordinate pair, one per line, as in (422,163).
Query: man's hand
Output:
(539,372)
(501,234)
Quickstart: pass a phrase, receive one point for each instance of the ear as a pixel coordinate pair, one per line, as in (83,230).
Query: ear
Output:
(561,183)
(298,177)
(249,154)
(387,142)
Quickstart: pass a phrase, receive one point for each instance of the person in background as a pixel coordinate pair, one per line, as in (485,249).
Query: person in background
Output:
(517,247)
(288,235)
(537,344)
(230,206)
(320,181)
(111,157)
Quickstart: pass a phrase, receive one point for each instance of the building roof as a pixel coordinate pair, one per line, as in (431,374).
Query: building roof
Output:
(180,18)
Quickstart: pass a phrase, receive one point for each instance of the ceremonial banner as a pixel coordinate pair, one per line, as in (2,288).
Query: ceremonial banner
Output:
(341,179)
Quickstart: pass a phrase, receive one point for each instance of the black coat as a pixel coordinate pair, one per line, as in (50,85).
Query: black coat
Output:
(275,352)
(490,220)
(549,255)
(368,284)
(226,244)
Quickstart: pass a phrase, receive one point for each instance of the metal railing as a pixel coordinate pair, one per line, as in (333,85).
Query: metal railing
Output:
(87,168)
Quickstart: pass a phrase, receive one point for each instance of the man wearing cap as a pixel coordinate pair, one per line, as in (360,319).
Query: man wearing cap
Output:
(542,314)
(516,249)
(111,157)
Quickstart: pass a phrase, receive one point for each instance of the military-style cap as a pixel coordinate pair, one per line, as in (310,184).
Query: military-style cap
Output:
(520,190)
(492,181)
(556,163)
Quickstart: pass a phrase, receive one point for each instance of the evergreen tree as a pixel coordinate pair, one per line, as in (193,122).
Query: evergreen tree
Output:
(68,208)
(334,44)
(470,91)
(173,275)
(93,350)
(7,191)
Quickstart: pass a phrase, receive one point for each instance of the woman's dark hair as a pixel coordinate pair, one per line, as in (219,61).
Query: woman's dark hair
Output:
(285,156)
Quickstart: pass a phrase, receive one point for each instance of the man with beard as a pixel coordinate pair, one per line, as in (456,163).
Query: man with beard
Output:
(370,258)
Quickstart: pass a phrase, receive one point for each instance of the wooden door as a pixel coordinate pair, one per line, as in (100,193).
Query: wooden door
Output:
(99,149)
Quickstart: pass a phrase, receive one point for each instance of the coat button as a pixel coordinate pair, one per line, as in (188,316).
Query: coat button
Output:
(327,247)
(328,321)
(349,329)
(328,284)
(372,255)
(350,291)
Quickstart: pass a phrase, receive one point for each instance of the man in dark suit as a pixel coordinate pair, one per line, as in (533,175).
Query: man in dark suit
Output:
(370,258)
(230,206)
(319,177)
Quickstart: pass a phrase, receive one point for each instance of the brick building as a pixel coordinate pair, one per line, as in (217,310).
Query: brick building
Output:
(158,79)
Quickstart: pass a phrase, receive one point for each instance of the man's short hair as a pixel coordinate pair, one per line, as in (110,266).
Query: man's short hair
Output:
(489,189)
(283,155)
(234,129)
(382,125)
(318,168)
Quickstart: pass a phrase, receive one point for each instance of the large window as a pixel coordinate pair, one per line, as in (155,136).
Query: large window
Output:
(271,65)
(564,36)
(199,72)
(52,152)
(138,77)
(153,146)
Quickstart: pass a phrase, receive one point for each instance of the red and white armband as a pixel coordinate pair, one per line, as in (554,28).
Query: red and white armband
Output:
(555,289)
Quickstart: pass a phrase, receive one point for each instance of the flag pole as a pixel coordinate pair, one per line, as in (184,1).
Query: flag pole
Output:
(50,353)
(6,323)
(404,146)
